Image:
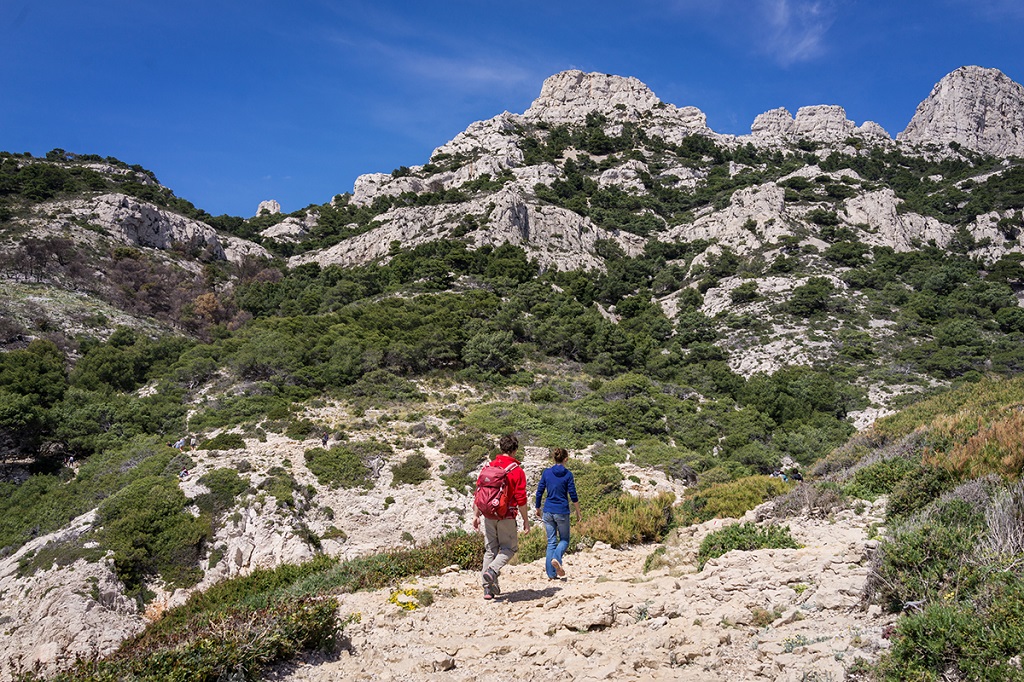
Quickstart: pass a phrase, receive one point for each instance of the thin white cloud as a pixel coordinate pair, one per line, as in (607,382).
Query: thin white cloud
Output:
(995,10)
(788,31)
(439,59)
(797,28)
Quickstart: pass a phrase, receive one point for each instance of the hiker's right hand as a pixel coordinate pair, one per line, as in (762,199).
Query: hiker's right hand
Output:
(476,523)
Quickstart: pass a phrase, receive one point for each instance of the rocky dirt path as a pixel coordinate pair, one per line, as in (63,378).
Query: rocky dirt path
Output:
(609,620)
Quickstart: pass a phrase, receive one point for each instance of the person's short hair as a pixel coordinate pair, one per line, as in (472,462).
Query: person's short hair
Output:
(559,454)
(508,444)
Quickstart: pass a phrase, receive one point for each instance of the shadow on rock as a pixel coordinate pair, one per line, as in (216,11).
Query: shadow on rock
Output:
(528,595)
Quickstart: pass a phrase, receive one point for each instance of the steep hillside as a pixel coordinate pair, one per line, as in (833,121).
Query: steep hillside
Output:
(686,311)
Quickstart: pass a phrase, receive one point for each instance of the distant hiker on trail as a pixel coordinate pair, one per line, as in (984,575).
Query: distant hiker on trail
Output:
(560,486)
(324,439)
(192,443)
(501,492)
(180,444)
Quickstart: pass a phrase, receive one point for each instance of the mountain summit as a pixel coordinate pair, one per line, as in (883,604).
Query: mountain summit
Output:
(980,109)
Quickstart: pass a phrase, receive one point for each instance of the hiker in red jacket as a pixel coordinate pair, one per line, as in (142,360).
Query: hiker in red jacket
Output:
(501,540)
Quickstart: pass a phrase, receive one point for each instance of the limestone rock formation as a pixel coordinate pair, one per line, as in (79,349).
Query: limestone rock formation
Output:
(756,216)
(568,97)
(886,225)
(292,229)
(51,614)
(556,237)
(269,207)
(139,223)
(822,123)
(981,109)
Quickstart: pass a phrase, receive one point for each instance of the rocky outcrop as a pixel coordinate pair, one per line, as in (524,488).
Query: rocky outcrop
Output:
(51,614)
(292,229)
(497,138)
(980,109)
(138,223)
(823,123)
(556,237)
(755,216)
(568,97)
(269,207)
(881,223)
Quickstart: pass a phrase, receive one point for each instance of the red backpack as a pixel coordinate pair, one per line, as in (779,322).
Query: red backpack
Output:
(492,491)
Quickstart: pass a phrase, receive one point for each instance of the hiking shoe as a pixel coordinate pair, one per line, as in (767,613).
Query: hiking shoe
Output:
(487,592)
(557,565)
(491,578)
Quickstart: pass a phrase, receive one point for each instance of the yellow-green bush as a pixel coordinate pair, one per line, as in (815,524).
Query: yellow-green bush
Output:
(628,520)
(729,500)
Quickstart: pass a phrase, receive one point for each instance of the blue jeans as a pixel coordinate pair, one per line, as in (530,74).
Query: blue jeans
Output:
(557,526)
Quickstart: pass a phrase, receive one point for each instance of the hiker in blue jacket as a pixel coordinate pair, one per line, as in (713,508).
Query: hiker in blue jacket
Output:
(558,482)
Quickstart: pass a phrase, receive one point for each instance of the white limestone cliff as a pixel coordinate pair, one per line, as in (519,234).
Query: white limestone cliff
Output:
(978,108)
(139,223)
(556,237)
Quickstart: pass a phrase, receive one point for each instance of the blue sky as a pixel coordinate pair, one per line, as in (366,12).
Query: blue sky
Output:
(230,103)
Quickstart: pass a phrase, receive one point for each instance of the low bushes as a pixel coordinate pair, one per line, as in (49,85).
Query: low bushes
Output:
(224,486)
(976,640)
(879,478)
(627,520)
(746,537)
(466,451)
(350,465)
(224,441)
(150,531)
(929,558)
(730,500)
(412,471)
(236,643)
(239,626)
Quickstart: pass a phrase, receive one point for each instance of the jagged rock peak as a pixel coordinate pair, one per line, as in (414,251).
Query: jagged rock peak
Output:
(981,109)
(821,123)
(270,206)
(570,95)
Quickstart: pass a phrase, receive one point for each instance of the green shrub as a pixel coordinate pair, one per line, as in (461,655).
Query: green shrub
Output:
(608,454)
(723,473)
(412,471)
(58,553)
(224,441)
(928,557)
(381,386)
(879,478)
(664,457)
(281,485)
(301,429)
(974,640)
(631,520)
(238,642)
(655,560)
(745,537)
(349,465)
(599,487)
(466,451)
(918,489)
(147,526)
(729,500)
(224,485)
(624,520)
